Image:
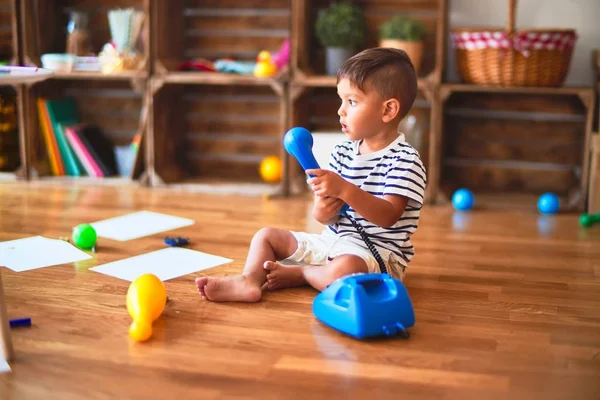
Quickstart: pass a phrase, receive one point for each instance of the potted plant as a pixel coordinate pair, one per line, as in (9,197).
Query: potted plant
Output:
(341,30)
(401,32)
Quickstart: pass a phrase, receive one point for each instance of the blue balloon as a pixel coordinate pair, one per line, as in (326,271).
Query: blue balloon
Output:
(548,203)
(463,199)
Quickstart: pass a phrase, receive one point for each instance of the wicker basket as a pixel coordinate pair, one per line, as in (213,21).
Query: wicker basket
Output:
(513,58)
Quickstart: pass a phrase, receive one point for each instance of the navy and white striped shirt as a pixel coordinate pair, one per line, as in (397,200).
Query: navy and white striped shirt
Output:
(395,170)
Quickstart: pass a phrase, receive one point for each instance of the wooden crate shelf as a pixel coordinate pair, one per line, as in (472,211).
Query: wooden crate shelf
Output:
(512,139)
(308,81)
(187,30)
(11,155)
(9,36)
(308,54)
(116,102)
(214,128)
(13,163)
(216,78)
(98,76)
(313,99)
(44,29)
(209,130)
(113,105)
(214,135)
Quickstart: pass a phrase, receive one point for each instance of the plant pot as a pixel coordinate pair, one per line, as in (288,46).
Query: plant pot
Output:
(335,57)
(413,49)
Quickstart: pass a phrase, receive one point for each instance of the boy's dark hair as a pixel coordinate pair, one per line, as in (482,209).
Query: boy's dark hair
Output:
(388,71)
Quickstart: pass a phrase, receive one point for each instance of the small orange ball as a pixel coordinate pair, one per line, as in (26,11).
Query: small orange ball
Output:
(140,330)
(271,169)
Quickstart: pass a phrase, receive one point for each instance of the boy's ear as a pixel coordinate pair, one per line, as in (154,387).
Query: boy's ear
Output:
(391,110)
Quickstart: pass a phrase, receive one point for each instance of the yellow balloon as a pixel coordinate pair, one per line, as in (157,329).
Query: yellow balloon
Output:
(140,330)
(271,169)
(146,298)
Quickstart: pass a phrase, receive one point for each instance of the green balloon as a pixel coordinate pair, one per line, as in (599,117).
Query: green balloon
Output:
(84,236)
(585,220)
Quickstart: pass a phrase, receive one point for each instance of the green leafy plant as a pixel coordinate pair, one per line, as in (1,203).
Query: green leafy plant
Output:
(341,25)
(403,28)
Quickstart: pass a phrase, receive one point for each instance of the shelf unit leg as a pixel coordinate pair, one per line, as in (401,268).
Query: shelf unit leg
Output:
(24,142)
(6,346)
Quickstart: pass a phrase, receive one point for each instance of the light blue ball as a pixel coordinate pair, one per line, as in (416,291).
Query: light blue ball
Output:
(548,203)
(463,199)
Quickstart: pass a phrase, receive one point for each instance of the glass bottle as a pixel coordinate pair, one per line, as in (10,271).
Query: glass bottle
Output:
(78,36)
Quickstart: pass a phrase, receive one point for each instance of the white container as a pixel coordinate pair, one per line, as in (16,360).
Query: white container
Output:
(59,62)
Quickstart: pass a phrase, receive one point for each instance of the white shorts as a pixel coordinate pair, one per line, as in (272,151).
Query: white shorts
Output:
(320,248)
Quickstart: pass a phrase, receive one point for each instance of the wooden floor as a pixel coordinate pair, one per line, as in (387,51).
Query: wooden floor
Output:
(507,305)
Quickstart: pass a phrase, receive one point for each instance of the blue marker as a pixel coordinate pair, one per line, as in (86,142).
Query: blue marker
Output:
(14,323)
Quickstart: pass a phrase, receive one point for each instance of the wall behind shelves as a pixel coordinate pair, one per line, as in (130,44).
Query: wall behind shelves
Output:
(582,15)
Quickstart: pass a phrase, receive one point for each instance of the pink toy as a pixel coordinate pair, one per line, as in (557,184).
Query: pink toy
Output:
(282,57)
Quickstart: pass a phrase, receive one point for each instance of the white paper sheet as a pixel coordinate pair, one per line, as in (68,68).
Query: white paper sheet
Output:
(166,264)
(4,367)
(137,225)
(38,252)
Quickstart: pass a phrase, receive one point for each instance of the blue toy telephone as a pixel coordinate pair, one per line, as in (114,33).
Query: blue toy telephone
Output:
(366,305)
(361,305)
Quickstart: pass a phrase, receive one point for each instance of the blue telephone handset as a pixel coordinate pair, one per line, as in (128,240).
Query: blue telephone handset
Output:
(299,142)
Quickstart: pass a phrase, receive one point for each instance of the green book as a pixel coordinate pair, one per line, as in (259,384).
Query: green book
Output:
(63,112)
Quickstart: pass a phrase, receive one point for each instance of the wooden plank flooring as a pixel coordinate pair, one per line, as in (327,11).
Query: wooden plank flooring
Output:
(507,306)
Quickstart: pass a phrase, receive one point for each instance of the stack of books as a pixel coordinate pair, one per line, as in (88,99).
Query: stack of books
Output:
(74,148)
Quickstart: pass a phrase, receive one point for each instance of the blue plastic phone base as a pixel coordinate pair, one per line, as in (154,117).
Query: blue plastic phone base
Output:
(366,305)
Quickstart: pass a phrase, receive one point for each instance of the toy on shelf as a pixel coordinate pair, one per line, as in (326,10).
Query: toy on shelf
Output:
(548,203)
(121,53)
(271,169)
(463,199)
(282,57)
(298,142)
(233,66)
(84,236)
(589,219)
(146,299)
(366,305)
(265,67)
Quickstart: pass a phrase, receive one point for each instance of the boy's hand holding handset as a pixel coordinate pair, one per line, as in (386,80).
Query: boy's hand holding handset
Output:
(298,142)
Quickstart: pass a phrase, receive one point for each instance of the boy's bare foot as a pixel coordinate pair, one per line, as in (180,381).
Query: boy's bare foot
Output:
(235,288)
(283,276)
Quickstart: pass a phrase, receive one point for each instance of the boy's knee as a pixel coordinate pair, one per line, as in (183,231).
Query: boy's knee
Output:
(282,242)
(265,234)
(347,265)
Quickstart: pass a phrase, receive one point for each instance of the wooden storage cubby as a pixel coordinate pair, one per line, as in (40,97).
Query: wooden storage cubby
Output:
(214,134)
(44,30)
(116,102)
(12,142)
(313,99)
(111,105)
(186,30)
(214,128)
(9,36)
(512,142)
(11,156)
(308,54)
